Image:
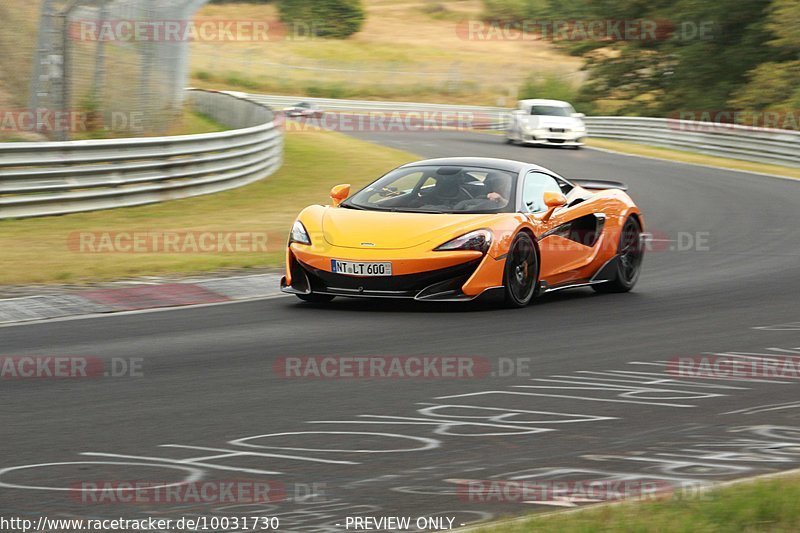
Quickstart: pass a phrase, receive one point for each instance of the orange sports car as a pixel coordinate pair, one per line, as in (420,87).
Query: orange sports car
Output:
(455,229)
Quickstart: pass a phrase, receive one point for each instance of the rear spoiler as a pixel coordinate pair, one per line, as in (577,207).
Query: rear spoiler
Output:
(600,184)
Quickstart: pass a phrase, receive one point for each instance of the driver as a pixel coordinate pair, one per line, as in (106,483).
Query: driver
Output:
(498,187)
(498,192)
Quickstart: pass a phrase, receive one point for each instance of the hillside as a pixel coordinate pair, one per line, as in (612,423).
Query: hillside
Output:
(407,50)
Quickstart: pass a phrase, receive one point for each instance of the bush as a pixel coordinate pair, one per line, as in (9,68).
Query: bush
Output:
(514,10)
(551,87)
(337,19)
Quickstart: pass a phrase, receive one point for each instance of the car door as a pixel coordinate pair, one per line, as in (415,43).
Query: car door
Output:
(567,239)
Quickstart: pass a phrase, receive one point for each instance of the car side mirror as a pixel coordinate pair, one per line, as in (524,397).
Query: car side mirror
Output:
(553,200)
(340,193)
(578,115)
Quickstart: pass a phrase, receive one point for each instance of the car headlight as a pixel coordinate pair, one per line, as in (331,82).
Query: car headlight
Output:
(299,234)
(479,240)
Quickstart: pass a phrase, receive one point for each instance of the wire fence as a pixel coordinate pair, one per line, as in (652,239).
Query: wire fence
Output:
(112,63)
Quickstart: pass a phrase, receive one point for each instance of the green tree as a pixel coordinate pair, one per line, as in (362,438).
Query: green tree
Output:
(699,59)
(775,85)
(784,22)
(515,10)
(336,19)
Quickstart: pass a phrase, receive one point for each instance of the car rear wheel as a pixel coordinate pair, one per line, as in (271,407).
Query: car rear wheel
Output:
(315,298)
(629,259)
(521,274)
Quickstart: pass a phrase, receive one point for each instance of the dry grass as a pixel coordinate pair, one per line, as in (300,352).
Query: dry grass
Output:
(405,50)
(19,20)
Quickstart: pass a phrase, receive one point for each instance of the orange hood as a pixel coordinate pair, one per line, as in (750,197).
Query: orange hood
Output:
(381,230)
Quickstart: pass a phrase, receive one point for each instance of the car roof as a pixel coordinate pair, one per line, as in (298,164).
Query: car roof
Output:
(484,162)
(540,101)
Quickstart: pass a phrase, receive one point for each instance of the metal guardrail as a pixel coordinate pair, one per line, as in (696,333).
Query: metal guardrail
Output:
(778,147)
(485,117)
(53,178)
(280,102)
(66,177)
(781,147)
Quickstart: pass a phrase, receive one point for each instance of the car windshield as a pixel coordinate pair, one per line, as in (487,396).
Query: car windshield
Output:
(551,111)
(439,189)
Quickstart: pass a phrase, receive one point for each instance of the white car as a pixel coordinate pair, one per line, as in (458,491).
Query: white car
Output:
(546,122)
(303,110)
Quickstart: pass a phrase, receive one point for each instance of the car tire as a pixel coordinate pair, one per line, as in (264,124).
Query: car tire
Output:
(316,298)
(630,254)
(521,273)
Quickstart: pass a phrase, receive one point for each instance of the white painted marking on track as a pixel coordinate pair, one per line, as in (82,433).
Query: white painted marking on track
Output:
(560,396)
(661,381)
(429,444)
(183,462)
(765,408)
(444,425)
(248,453)
(194,474)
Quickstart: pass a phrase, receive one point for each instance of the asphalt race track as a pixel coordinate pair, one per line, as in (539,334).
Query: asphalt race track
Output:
(591,396)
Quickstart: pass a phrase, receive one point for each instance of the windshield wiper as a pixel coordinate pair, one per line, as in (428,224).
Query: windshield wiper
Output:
(392,209)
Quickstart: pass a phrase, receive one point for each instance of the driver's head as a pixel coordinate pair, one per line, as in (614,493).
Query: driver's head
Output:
(447,187)
(499,183)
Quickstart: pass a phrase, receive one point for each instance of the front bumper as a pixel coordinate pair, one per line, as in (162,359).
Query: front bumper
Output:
(553,140)
(464,281)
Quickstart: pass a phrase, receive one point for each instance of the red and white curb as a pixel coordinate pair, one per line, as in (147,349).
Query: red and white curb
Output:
(138,297)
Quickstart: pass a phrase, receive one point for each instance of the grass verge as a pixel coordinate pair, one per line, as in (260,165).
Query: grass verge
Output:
(765,505)
(693,157)
(37,250)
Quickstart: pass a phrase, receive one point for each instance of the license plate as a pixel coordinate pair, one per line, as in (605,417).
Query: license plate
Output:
(350,268)
(558,130)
